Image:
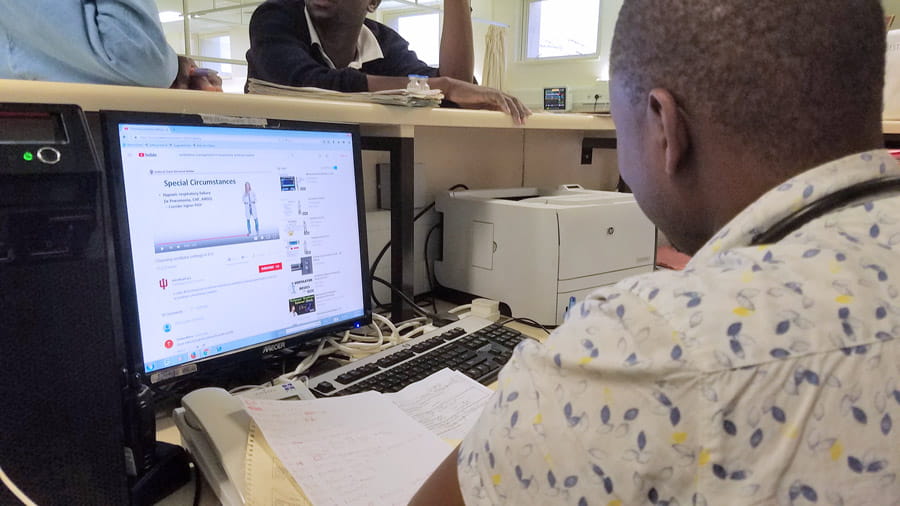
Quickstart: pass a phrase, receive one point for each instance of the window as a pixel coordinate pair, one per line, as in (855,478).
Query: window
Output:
(422,31)
(217,35)
(217,46)
(562,28)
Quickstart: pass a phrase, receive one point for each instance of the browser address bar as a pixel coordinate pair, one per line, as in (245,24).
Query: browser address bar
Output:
(206,139)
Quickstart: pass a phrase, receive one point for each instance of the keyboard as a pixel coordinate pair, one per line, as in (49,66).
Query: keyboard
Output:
(473,346)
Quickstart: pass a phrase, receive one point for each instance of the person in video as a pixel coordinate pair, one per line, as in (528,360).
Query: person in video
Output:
(250,212)
(331,44)
(768,370)
(101,42)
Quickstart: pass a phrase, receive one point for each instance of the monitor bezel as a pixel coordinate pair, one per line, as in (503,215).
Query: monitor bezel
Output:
(121,237)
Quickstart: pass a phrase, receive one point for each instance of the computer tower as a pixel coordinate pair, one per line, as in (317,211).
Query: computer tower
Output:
(62,379)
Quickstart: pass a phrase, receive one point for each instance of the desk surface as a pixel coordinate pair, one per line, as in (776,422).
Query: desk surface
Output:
(167,432)
(95,97)
(92,97)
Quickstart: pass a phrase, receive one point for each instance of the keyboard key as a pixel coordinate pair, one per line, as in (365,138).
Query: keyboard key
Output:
(325,387)
(394,358)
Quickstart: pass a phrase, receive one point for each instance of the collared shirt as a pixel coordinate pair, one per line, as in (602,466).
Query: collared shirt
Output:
(285,49)
(367,48)
(758,375)
(85,41)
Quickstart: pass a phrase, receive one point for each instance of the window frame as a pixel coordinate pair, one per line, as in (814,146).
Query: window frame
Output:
(523,53)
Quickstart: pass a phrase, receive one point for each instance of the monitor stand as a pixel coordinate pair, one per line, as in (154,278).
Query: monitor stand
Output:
(171,470)
(160,468)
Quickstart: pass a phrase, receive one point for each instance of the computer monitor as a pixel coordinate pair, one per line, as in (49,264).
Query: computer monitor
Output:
(233,241)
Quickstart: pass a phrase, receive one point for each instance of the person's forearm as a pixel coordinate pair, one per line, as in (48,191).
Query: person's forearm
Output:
(130,40)
(457,57)
(442,487)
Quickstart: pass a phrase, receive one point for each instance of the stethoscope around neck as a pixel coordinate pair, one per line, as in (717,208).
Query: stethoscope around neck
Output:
(854,194)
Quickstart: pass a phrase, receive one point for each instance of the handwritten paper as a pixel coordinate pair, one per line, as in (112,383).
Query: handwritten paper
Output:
(355,450)
(266,481)
(448,403)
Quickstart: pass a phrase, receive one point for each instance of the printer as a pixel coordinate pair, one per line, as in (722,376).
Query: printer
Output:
(540,250)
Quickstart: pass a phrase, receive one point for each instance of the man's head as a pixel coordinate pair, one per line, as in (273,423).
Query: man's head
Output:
(326,13)
(717,101)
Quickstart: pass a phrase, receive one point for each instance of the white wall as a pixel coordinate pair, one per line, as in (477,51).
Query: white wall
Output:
(528,79)
(892,7)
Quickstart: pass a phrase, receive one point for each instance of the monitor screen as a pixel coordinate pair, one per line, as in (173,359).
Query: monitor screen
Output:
(234,241)
(554,99)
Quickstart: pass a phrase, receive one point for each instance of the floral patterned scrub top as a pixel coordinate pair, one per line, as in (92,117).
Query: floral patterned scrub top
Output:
(758,375)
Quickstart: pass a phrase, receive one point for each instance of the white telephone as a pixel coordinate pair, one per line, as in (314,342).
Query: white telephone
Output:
(214,428)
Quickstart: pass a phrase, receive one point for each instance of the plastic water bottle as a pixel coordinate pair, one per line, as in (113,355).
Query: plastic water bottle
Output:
(417,83)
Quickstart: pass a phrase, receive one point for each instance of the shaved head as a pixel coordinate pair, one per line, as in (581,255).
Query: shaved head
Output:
(777,75)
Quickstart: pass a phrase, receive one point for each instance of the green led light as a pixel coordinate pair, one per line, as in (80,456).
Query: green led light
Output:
(28,156)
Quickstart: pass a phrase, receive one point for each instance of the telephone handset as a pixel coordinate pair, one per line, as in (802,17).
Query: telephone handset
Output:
(214,429)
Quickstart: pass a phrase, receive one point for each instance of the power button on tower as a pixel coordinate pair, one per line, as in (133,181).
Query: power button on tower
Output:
(50,156)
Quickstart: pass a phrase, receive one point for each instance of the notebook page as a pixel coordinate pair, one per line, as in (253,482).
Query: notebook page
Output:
(448,403)
(267,482)
(355,450)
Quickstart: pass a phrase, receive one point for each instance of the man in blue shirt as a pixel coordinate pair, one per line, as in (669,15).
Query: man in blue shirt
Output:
(93,41)
(330,44)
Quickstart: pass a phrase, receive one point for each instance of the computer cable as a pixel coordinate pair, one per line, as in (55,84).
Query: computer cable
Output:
(16,491)
(527,321)
(364,344)
(428,276)
(409,300)
(460,309)
(353,345)
(491,310)
(385,249)
(395,336)
(356,345)
(305,364)
(359,345)
(198,479)
(388,245)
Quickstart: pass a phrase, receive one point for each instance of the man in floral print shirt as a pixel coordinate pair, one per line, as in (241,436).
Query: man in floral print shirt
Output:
(760,374)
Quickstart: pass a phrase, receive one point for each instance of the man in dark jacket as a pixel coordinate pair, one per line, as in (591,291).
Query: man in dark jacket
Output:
(331,44)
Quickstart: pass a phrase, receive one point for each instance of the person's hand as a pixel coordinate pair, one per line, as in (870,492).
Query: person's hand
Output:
(190,77)
(205,80)
(473,96)
(183,77)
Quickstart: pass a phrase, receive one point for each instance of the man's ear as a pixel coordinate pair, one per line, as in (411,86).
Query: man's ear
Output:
(373,4)
(665,116)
